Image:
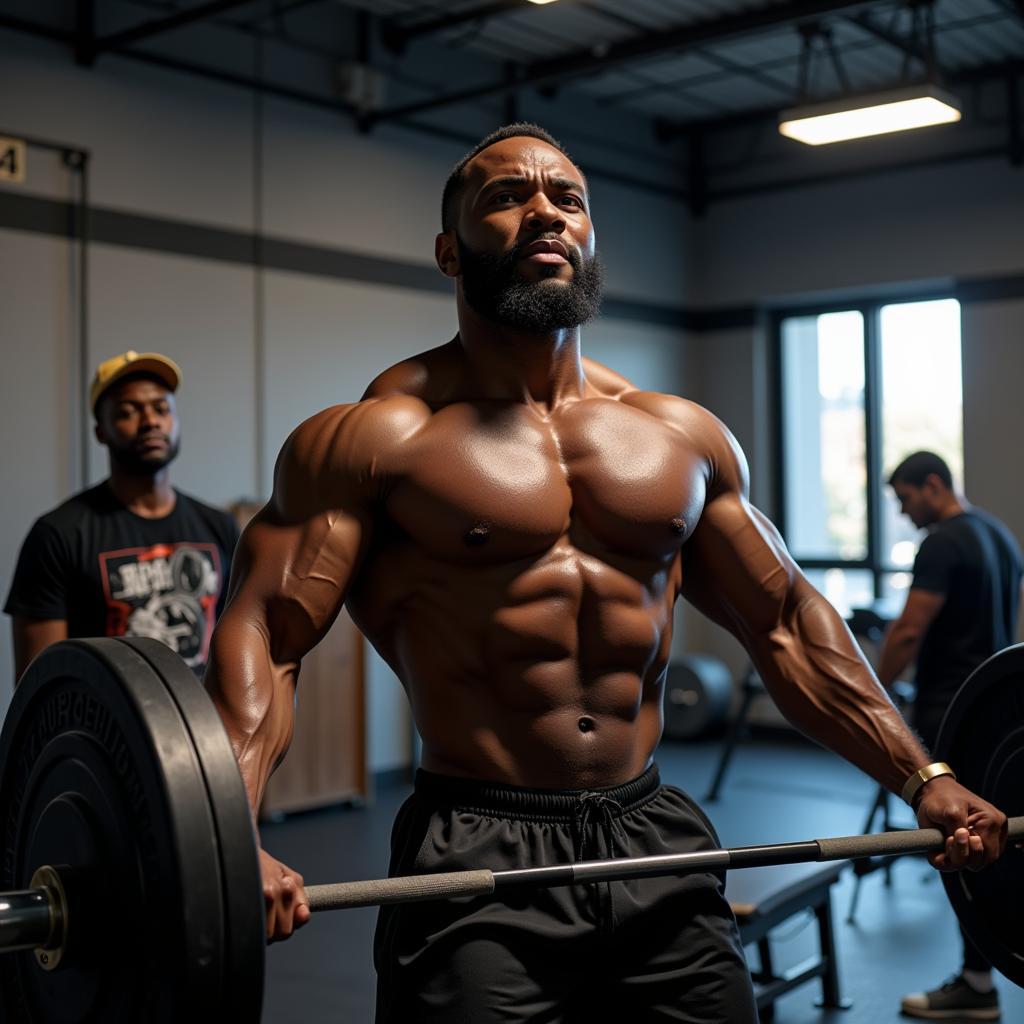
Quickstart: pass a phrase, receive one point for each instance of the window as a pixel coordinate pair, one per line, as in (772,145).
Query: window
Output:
(862,387)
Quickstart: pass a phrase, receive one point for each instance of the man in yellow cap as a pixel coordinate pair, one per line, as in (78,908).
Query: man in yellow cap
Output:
(131,556)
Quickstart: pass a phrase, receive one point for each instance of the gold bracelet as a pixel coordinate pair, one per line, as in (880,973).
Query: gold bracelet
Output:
(913,785)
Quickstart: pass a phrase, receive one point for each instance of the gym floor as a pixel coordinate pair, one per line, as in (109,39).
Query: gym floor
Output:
(778,789)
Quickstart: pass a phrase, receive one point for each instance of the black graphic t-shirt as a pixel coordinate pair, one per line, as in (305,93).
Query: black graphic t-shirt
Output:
(109,572)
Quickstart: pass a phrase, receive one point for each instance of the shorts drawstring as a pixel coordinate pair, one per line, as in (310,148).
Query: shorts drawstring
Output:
(598,810)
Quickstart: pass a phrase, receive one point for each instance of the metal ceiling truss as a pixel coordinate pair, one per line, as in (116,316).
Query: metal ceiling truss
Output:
(667,130)
(595,60)
(911,47)
(398,35)
(552,72)
(89,46)
(817,41)
(1011,6)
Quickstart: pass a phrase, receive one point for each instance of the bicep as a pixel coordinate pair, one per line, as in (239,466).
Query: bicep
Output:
(289,579)
(31,637)
(736,568)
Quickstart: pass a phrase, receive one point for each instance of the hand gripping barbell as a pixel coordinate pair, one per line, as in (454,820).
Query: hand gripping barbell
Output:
(130,856)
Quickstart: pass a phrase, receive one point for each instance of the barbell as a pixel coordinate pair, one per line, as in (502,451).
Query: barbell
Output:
(131,862)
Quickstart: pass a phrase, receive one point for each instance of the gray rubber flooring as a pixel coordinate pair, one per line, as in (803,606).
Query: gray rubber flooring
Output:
(904,937)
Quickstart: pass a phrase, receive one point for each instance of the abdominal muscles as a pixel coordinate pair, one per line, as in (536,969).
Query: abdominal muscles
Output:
(543,673)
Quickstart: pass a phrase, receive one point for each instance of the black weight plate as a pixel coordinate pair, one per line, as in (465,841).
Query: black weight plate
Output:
(99,772)
(982,739)
(241,884)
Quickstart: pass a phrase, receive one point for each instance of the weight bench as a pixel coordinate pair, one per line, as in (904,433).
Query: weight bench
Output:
(762,899)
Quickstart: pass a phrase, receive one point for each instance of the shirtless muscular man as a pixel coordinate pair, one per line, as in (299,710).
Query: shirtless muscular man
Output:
(510,524)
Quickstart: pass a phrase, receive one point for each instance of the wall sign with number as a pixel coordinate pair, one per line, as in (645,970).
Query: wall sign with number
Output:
(12,159)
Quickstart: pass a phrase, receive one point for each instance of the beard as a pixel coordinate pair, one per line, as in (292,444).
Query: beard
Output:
(139,463)
(495,290)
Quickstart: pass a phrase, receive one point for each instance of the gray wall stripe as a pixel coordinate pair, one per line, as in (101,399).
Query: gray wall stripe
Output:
(115,227)
(22,212)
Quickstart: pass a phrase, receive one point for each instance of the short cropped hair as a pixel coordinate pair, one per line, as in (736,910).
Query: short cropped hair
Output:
(916,468)
(453,186)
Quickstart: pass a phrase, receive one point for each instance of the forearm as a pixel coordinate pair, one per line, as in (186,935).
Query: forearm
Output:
(254,695)
(823,685)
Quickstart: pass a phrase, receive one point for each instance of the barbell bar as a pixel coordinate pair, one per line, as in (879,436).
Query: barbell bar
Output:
(451,884)
(122,812)
(35,918)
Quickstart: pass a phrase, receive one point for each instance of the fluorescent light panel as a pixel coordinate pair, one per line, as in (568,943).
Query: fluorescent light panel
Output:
(881,113)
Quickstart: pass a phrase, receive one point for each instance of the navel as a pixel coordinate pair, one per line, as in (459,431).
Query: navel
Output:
(587,724)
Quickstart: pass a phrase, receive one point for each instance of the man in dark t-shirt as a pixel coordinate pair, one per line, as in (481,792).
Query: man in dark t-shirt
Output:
(131,556)
(961,608)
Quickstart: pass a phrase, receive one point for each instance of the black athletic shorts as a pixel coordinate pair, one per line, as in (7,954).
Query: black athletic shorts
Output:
(643,950)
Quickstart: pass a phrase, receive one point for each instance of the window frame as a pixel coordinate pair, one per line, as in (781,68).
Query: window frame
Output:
(870,308)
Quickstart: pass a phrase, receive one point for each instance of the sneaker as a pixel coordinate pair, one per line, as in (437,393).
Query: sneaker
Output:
(955,1000)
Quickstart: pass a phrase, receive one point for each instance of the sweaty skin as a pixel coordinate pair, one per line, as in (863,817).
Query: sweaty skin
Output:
(510,525)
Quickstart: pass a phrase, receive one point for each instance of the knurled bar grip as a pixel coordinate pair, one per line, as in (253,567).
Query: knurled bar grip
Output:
(410,889)
(415,888)
(922,840)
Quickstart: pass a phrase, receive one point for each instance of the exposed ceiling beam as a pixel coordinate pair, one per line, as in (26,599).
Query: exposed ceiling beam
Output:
(667,130)
(614,16)
(909,46)
(691,82)
(279,10)
(789,88)
(34,28)
(157,26)
(1011,6)
(594,60)
(649,87)
(397,35)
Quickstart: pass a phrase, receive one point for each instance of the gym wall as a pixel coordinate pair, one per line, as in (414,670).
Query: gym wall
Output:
(956,226)
(353,291)
(356,290)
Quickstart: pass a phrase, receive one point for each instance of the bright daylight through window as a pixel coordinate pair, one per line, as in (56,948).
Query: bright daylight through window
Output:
(861,388)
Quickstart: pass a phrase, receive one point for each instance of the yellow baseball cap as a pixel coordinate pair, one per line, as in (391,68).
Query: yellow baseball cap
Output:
(112,370)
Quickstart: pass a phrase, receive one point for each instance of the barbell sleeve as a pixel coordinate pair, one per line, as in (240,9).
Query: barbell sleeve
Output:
(448,885)
(26,919)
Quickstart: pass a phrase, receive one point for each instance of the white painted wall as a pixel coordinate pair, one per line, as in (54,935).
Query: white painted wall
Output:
(932,224)
(39,449)
(993,346)
(200,312)
(170,146)
(167,145)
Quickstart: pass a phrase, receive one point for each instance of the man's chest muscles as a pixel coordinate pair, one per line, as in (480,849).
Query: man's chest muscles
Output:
(612,480)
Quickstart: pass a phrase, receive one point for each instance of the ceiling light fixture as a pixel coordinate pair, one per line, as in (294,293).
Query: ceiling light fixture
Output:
(542,1)
(896,110)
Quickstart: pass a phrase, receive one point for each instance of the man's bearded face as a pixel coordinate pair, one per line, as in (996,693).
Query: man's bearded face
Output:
(496,290)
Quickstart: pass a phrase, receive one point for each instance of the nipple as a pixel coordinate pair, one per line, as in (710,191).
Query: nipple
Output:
(678,525)
(478,535)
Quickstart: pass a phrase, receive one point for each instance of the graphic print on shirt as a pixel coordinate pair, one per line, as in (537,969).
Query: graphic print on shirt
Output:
(166,591)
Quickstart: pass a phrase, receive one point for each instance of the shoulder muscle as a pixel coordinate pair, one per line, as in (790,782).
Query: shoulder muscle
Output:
(705,434)
(340,455)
